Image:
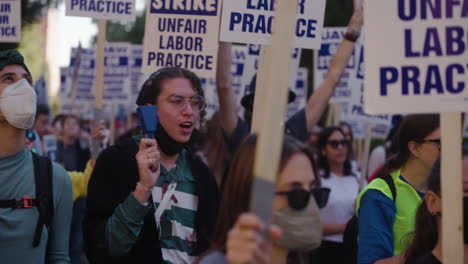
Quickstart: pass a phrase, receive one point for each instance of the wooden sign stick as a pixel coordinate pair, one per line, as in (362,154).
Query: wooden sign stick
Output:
(329,120)
(336,114)
(76,70)
(452,193)
(365,156)
(264,61)
(99,84)
(270,136)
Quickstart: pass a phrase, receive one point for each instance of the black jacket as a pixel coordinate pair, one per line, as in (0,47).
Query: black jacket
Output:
(114,177)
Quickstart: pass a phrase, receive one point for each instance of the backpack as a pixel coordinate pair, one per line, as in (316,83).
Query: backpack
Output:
(350,235)
(44,197)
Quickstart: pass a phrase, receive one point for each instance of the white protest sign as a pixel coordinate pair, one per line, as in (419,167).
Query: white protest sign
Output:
(135,72)
(64,91)
(416,56)
(300,89)
(250,67)
(10,20)
(84,97)
(116,71)
(238,55)
(182,35)
(331,40)
(86,75)
(250,21)
(102,9)
(381,123)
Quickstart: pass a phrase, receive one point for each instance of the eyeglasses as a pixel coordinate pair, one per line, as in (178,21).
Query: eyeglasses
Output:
(336,143)
(434,141)
(197,102)
(299,198)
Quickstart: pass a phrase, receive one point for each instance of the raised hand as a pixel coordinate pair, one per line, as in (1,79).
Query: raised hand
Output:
(149,168)
(245,245)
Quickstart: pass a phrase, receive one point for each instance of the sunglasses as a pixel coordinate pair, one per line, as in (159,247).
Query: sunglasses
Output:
(299,198)
(435,141)
(336,143)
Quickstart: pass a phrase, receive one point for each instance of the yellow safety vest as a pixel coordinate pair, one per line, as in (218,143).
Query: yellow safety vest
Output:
(406,204)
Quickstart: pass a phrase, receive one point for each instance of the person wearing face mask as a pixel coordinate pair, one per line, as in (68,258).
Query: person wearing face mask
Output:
(385,219)
(336,173)
(26,236)
(301,123)
(153,200)
(295,211)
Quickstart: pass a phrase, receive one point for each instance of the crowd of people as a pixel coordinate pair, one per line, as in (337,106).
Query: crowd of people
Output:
(183,193)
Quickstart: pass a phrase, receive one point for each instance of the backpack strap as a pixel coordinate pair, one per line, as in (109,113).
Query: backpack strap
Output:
(44,196)
(391,184)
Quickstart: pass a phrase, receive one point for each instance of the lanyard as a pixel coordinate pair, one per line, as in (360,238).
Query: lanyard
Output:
(164,203)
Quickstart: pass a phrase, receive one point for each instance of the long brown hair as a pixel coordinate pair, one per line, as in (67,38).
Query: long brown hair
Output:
(238,186)
(426,232)
(413,128)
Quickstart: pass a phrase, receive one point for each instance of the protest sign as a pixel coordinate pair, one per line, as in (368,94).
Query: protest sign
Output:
(250,21)
(10,20)
(182,35)
(102,9)
(238,55)
(331,40)
(135,72)
(116,71)
(86,75)
(418,64)
(211,96)
(64,91)
(300,89)
(425,72)
(380,123)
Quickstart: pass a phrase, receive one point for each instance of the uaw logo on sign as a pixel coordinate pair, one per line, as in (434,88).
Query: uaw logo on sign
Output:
(182,34)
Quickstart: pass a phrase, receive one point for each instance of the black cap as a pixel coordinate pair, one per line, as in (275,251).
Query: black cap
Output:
(12,57)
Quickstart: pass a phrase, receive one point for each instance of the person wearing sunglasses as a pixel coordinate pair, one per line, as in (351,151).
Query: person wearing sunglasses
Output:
(338,174)
(386,219)
(295,207)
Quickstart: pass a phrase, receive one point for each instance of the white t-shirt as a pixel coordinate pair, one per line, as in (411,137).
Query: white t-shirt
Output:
(341,203)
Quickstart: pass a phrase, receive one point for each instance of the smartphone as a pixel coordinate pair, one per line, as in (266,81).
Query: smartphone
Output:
(148,118)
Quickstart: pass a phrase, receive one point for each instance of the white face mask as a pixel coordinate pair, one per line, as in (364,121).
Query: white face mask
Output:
(18,104)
